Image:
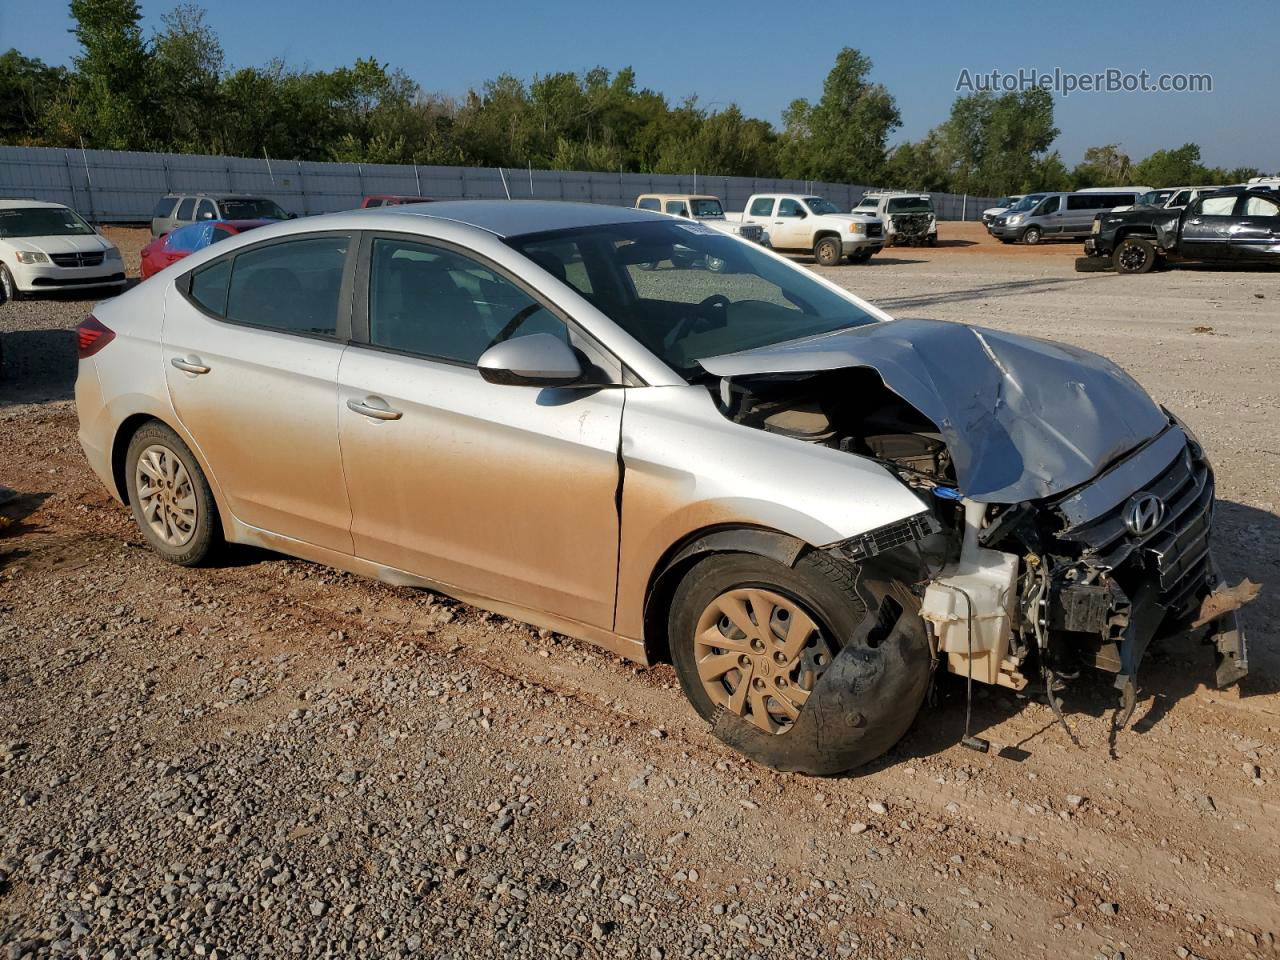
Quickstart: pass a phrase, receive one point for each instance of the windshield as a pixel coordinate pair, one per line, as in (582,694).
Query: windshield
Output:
(910,205)
(255,208)
(1004,202)
(42,222)
(706,207)
(687,292)
(1154,198)
(1027,202)
(820,206)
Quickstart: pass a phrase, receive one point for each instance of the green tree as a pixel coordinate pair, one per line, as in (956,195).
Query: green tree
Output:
(845,135)
(28,90)
(996,144)
(1104,166)
(186,76)
(1180,166)
(110,102)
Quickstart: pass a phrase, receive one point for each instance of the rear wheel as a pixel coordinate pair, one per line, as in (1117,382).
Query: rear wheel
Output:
(827,252)
(169,496)
(1031,235)
(1135,255)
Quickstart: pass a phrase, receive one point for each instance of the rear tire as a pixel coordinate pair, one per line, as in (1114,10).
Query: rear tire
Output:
(827,252)
(170,497)
(1134,255)
(1031,236)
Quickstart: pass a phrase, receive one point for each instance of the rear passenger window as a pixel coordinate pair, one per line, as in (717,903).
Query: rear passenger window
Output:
(185,209)
(1261,207)
(432,302)
(209,286)
(762,207)
(291,286)
(1218,206)
(1082,201)
(164,208)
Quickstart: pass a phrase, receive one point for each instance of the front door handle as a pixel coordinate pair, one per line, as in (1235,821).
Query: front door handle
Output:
(189,364)
(1197,221)
(374,408)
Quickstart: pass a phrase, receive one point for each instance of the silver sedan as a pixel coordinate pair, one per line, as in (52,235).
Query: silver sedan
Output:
(631,429)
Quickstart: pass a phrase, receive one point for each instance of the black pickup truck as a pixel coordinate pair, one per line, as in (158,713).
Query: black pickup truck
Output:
(1237,225)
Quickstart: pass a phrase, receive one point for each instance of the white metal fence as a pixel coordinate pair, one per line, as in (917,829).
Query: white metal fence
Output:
(117,186)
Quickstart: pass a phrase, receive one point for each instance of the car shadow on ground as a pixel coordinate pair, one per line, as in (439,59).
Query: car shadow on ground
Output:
(13,524)
(38,366)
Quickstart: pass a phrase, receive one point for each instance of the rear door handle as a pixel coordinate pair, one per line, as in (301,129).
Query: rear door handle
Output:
(375,408)
(189,364)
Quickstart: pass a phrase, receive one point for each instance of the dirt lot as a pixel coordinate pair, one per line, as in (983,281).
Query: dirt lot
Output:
(269,758)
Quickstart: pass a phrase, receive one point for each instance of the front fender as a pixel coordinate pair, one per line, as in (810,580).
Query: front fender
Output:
(687,469)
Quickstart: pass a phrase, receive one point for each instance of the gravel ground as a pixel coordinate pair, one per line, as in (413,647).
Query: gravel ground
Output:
(269,758)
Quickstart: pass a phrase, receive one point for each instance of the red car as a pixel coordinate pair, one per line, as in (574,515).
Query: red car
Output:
(184,241)
(390,200)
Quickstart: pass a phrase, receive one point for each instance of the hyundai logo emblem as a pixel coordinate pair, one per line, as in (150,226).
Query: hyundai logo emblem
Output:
(1143,513)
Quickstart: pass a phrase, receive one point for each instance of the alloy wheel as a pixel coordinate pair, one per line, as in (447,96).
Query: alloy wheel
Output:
(165,495)
(759,655)
(1132,257)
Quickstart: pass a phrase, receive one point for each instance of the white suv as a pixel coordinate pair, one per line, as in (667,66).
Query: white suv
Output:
(46,246)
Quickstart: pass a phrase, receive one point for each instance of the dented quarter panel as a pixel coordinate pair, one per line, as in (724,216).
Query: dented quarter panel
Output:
(687,469)
(1023,418)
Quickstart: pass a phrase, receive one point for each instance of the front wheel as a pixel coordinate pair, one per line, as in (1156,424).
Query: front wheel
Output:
(798,667)
(170,497)
(8,286)
(827,252)
(1031,236)
(1135,255)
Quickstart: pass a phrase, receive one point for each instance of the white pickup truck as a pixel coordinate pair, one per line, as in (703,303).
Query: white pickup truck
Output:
(797,222)
(703,208)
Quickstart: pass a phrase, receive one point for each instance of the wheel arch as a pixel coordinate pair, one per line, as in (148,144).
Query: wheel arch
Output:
(684,553)
(823,233)
(124,432)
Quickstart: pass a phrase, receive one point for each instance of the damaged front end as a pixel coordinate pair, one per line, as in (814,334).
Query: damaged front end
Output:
(1065,518)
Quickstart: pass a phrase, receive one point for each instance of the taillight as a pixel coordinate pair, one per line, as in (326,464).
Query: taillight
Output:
(92,335)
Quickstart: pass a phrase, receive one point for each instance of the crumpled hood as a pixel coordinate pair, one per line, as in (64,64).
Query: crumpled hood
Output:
(1023,418)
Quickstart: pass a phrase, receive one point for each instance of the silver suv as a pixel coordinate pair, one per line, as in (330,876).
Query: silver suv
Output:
(178,209)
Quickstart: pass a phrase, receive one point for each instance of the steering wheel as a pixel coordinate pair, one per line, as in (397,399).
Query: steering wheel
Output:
(707,314)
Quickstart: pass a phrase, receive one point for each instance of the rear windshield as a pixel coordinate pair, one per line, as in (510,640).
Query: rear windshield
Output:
(820,206)
(42,222)
(910,205)
(252,208)
(706,208)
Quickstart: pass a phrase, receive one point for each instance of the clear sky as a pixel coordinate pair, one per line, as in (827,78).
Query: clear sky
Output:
(761,55)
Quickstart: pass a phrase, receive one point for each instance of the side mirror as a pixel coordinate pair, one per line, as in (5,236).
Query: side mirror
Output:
(291,216)
(534,360)
(801,212)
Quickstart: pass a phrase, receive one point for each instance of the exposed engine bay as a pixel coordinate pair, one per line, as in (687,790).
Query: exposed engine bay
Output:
(1035,589)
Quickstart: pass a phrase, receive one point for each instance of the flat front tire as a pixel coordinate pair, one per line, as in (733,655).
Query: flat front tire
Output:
(751,639)
(170,497)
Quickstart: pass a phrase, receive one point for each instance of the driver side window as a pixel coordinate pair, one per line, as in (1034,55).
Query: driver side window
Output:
(1050,205)
(789,208)
(433,302)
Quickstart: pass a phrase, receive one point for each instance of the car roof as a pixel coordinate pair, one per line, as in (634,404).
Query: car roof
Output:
(218,196)
(13,203)
(513,218)
(680,196)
